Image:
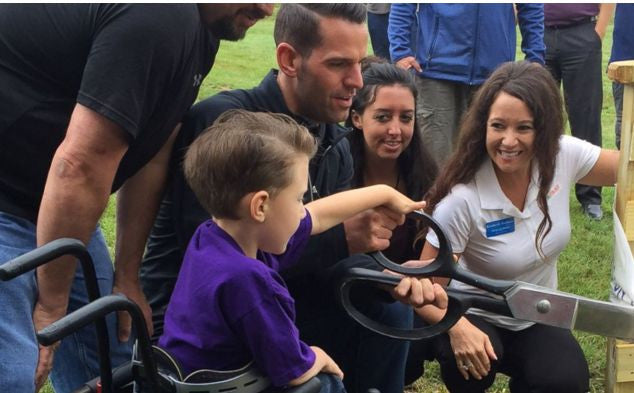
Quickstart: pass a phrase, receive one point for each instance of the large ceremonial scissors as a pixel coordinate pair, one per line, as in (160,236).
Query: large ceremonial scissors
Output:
(516,299)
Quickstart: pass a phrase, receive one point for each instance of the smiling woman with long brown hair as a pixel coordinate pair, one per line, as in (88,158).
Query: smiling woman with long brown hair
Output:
(503,201)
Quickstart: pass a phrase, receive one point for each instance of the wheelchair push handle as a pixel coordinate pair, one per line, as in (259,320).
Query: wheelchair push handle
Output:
(49,252)
(97,310)
(39,256)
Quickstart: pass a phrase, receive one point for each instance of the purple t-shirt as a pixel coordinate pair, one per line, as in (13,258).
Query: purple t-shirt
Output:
(562,14)
(228,309)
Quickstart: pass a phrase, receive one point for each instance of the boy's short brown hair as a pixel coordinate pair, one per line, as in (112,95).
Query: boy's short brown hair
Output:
(244,152)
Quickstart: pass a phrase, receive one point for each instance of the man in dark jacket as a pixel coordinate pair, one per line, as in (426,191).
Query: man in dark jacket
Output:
(458,46)
(319,49)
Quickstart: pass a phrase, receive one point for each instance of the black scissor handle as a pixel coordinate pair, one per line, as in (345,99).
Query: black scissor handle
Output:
(442,266)
(459,303)
(455,310)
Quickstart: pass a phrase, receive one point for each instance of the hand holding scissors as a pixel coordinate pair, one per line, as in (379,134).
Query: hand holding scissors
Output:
(516,299)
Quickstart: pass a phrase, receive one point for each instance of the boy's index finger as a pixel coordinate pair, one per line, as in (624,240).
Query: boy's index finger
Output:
(420,205)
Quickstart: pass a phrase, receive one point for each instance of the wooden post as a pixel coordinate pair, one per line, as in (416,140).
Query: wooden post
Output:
(620,354)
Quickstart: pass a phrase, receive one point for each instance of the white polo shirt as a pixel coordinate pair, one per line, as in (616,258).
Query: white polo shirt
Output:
(497,240)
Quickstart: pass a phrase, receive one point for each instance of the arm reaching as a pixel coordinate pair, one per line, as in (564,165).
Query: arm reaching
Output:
(332,210)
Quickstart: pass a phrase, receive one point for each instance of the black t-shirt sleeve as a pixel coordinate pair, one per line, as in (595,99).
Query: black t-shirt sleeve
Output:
(134,61)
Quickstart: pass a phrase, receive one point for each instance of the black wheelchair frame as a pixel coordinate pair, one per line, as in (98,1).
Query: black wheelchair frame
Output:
(145,371)
(55,249)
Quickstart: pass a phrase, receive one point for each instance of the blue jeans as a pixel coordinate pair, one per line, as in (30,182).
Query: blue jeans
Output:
(76,360)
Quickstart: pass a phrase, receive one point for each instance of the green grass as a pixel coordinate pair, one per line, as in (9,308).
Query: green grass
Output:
(242,64)
(585,265)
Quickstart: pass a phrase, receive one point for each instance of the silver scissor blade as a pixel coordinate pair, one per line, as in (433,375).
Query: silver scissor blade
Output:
(606,319)
(538,304)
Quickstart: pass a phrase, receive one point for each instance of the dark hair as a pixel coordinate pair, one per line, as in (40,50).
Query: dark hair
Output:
(298,24)
(243,152)
(416,165)
(532,84)
(367,61)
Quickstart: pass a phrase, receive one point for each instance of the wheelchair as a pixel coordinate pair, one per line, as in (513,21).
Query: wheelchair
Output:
(152,370)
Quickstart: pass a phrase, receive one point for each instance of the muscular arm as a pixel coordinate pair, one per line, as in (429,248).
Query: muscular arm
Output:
(137,204)
(76,193)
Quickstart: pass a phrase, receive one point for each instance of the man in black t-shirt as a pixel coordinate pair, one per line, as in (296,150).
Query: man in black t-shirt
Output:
(91,99)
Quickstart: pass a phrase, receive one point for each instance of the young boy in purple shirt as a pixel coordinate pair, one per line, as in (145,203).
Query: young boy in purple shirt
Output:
(230,306)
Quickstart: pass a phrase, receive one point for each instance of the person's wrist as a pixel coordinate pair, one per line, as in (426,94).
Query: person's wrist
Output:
(52,302)
(46,314)
(458,326)
(53,347)
(127,280)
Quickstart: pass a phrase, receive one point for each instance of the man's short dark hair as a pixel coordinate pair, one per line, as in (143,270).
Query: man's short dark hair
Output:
(298,24)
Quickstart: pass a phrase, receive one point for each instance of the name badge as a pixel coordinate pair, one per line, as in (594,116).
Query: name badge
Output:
(500,227)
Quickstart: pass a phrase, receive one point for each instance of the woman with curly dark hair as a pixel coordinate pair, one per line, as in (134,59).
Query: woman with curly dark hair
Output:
(503,202)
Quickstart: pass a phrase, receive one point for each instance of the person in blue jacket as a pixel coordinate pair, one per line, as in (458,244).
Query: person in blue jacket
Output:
(622,49)
(458,46)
